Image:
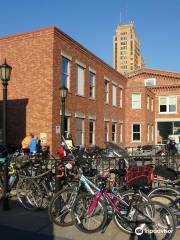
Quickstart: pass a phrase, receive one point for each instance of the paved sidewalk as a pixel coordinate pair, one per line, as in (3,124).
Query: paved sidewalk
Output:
(19,224)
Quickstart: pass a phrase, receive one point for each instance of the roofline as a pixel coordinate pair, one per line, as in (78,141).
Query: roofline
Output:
(87,51)
(154,72)
(57,30)
(10,37)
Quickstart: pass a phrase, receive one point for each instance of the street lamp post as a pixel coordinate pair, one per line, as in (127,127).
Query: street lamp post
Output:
(63,95)
(5,73)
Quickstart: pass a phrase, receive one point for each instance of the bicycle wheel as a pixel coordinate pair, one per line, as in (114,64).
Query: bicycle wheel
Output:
(29,194)
(162,226)
(59,209)
(130,207)
(170,197)
(46,192)
(89,223)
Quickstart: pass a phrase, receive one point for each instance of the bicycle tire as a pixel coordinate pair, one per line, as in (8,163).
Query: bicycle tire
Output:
(125,220)
(59,209)
(29,194)
(167,195)
(80,217)
(163,222)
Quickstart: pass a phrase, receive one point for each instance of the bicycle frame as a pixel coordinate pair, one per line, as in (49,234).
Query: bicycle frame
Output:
(107,197)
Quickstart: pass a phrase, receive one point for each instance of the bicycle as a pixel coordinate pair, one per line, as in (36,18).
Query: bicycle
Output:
(127,214)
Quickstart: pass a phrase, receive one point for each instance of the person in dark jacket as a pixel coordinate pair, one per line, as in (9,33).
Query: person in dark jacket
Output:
(171,147)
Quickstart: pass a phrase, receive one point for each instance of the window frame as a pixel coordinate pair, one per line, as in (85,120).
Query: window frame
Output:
(82,131)
(67,75)
(92,132)
(106,132)
(114,133)
(121,98)
(121,133)
(150,79)
(139,94)
(114,92)
(132,133)
(78,66)
(93,85)
(148,102)
(167,104)
(107,84)
(67,118)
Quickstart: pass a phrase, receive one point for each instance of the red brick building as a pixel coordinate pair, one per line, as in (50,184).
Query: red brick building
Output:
(164,98)
(42,61)
(101,105)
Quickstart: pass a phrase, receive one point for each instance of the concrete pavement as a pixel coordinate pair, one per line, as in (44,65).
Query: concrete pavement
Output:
(19,224)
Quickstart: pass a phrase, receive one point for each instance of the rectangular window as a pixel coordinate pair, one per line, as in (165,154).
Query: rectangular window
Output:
(113,132)
(136,132)
(136,101)
(91,85)
(114,97)
(106,92)
(80,80)
(150,82)
(79,131)
(65,72)
(152,105)
(152,133)
(148,102)
(91,132)
(106,132)
(148,132)
(121,98)
(66,126)
(121,133)
(167,104)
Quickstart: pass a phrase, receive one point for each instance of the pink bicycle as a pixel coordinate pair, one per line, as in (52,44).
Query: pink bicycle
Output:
(129,210)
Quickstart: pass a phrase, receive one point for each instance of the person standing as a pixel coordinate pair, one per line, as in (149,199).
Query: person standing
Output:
(25,143)
(69,142)
(33,145)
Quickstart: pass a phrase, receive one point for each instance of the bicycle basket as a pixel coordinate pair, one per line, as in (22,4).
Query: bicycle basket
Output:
(138,176)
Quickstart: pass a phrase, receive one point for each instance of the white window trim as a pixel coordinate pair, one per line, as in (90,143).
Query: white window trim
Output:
(92,70)
(150,79)
(152,133)
(148,102)
(115,133)
(66,55)
(133,101)
(107,136)
(94,84)
(68,124)
(135,141)
(68,75)
(148,133)
(82,131)
(107,92)
(152,104)
(121,98)
(114,98)
(121,133)
(79,66)
(94,129)
(167,97)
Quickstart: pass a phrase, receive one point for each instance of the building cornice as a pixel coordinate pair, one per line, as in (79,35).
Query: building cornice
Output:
(164,87)
(155,72)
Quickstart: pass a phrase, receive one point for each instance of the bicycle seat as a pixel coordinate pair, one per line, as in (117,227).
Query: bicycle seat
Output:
(119,172)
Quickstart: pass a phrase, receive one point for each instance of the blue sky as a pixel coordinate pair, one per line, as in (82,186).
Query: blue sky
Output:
(92,23)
